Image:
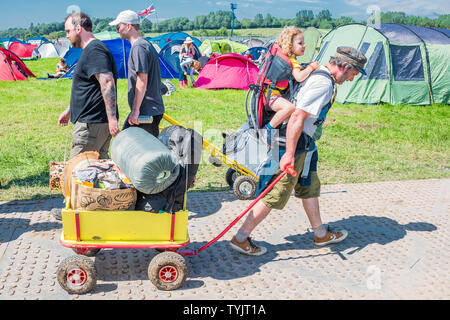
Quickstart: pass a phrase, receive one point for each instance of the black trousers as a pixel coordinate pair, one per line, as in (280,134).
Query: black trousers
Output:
(152,128)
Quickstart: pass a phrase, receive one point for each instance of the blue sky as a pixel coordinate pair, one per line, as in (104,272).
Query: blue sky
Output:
(25,12)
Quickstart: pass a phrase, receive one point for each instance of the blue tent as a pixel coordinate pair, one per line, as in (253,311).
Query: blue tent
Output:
(117,49)
(72,56)
(164,39)
(170,55)
(166,70)
(120,50)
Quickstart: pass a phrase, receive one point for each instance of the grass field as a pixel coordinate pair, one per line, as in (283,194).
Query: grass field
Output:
(360,143)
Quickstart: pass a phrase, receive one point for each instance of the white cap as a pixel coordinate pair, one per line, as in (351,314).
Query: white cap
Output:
(188,40)
(127,16)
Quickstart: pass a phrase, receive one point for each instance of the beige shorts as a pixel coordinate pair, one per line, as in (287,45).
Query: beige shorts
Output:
(279,196)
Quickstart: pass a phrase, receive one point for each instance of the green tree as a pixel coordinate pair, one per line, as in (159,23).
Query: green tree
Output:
(259,20)
(303,18)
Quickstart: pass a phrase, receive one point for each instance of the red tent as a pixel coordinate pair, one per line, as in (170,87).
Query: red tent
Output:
(12,68)
(229,70)
(22,50)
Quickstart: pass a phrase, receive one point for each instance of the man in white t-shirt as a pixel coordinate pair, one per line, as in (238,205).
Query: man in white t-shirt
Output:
(314,100)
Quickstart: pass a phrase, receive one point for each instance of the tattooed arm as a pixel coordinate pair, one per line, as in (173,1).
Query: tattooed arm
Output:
(109,94)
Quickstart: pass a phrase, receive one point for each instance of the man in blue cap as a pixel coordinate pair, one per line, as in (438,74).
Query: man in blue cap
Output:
(313,101)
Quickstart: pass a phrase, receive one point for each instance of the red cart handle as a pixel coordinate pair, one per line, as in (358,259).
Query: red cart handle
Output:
(287,170)
(291,171)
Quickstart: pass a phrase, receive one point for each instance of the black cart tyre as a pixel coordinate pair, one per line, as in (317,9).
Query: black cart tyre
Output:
(77,275)
(86,252)
(231,176)
(167,271)
(215,161)
(244,187)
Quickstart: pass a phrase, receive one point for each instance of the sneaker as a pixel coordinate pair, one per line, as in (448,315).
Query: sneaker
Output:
(57,213)
(247,247)
(331,237)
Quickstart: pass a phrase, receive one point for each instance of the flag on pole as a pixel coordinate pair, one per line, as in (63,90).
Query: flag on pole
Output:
(147,12)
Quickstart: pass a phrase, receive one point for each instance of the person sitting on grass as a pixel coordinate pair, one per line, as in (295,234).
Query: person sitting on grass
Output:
(61,69)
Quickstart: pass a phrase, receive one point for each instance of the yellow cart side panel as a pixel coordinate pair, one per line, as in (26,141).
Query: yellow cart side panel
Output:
(128,226)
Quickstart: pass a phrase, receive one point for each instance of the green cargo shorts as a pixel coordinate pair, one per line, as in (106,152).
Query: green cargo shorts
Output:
(90,137)
(279,196)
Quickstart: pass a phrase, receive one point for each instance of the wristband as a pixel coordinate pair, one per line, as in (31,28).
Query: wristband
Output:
(313,69)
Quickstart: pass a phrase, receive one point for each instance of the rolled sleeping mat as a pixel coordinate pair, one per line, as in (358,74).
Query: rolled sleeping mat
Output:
(145,160)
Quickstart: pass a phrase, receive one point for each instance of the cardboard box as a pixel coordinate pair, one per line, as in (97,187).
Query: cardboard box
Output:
(93,199)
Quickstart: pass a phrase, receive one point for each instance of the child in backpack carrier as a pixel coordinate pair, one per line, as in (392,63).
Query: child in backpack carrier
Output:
(291,43)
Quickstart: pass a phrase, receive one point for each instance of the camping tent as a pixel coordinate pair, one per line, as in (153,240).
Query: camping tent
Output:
(228,70)
(312,38)
(222,46)
(64,45)
(8,41)
(166,70)
(170,54)
(72,56)
(38,40)
(51,50)
(22,50)
(119,48)
(164,39)
(406,64)
(12,68)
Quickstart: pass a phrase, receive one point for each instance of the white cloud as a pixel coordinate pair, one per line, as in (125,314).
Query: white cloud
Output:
(410,7)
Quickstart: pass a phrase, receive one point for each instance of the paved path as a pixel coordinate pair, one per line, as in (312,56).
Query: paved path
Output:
(398,248)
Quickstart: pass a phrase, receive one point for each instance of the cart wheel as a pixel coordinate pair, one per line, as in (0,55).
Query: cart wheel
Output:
(77,275)
(86,252)
(167,271)
(214,161)
(231,176)
(244,187)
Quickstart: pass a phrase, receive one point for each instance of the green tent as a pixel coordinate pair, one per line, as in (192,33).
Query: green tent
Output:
(222,46)
(312,38)
(107,35)
(406,64)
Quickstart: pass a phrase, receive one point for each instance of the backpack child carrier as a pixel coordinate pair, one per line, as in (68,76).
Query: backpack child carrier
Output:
(275,71)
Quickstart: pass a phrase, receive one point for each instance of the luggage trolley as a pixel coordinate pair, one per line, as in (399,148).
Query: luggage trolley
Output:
(87,232)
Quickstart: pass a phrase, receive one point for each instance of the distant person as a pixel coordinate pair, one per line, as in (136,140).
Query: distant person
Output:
(61,69)
(93,103)
(187,53)
(260,58)
(248,55)
(291,43)
(36,54)
(144,76)
(19,68)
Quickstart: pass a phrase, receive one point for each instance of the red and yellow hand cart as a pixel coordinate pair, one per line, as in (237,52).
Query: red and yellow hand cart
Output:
(87,232)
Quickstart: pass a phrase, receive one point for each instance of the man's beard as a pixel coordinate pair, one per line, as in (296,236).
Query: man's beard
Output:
(77,42)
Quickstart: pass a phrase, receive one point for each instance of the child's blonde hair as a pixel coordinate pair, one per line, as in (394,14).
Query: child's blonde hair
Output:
(286,38)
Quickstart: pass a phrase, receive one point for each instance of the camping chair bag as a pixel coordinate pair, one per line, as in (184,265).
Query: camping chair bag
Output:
(145,160)
(187,146)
